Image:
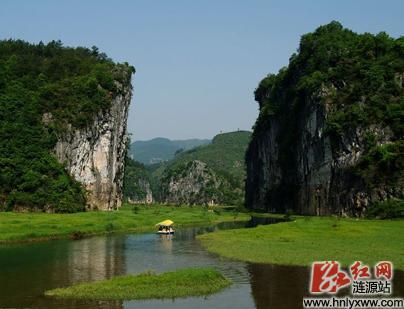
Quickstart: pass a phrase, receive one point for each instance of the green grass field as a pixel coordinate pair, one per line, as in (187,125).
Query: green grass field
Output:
(181,283)
(310,239)
(15,227)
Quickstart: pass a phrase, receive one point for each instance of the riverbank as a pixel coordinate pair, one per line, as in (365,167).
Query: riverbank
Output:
(310,239)
(180,283)
(27,227)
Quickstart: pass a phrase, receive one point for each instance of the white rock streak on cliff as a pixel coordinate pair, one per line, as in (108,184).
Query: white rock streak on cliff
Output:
(95,155)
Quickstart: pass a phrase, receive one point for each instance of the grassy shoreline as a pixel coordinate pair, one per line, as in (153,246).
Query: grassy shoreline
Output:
(310,239)
(180,283)
(34,227)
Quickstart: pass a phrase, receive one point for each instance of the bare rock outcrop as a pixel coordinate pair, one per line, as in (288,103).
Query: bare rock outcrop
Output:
(95,155)
(195,183)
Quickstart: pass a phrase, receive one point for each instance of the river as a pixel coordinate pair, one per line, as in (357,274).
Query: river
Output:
(27,270)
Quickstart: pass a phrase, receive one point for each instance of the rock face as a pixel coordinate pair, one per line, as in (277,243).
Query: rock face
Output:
(208,174)
(329,137)
(193,184)
(146,196)
(95,155)
(318,179)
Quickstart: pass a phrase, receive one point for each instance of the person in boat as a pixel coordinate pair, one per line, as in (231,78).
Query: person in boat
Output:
(165,227)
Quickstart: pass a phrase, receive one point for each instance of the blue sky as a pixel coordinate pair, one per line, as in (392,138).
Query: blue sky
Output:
(197,62)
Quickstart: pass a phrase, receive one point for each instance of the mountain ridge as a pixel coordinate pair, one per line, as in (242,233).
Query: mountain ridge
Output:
(160,149)
(205,175)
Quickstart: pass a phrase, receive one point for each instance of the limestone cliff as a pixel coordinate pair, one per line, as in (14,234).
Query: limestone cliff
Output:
(63,127)
(95,155)
(208,174)
(319,179)
(146,194)
(325,142)
(194,183)
(137,188)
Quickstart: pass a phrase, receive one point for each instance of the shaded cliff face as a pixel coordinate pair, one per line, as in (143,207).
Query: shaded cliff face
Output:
(95,155)
(327,141)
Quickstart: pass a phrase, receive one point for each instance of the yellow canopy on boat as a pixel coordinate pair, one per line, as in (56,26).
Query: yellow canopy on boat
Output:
(165,223)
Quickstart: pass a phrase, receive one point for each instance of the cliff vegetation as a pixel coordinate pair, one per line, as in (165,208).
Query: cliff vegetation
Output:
(137,183)
(44,90)
(208,174)
(331,125)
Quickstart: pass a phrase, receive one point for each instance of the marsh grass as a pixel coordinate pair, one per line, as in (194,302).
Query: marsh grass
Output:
(306,240)
(148,285)
(17,227)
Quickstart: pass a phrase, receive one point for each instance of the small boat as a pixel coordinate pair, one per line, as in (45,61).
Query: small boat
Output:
(165,227)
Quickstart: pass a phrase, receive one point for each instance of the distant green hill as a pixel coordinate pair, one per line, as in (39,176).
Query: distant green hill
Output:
(222,161)
(162,149)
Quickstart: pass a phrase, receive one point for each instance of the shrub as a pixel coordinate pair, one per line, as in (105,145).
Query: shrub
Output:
(288,215)
(391,208)
(109,227)
(217,211)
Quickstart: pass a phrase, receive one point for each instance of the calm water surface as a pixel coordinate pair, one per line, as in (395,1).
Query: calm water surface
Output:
(27,270)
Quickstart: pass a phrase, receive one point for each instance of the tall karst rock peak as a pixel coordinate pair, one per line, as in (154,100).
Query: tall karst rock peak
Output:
(329,136)
(64,112)
(95,155)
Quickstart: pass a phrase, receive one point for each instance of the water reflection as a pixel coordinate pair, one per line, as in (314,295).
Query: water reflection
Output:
(26,271)
(398,283)
(276,287)
(255,221)
(167,244)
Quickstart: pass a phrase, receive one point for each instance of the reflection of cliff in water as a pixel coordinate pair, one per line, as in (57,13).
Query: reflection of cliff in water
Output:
(96,259)
(255,221)
(398,283)
(58,264)
(277,287)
